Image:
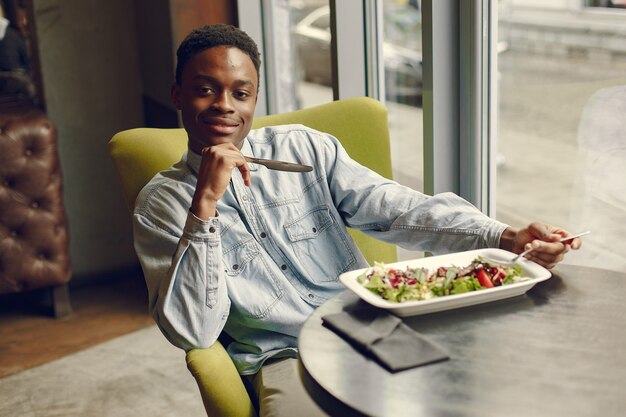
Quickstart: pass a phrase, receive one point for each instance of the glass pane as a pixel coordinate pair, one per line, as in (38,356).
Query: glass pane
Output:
(562,141)
(310,26)
(402,56)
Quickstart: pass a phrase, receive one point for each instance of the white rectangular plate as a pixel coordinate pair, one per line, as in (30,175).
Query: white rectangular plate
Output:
(535,272)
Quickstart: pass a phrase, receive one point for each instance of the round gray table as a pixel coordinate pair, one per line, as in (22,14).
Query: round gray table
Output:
(558,350)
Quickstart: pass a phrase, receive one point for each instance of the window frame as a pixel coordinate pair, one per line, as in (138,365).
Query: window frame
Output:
(459,97)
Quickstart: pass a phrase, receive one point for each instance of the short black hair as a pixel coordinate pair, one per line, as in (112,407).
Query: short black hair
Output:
(209,36)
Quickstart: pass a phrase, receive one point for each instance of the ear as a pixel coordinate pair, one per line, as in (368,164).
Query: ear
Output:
(175,95)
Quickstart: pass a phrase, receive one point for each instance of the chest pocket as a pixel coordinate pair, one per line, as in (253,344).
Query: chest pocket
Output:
(320,245)
(252,288)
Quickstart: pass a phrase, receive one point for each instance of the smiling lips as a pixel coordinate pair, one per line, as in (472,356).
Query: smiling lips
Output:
(221,125)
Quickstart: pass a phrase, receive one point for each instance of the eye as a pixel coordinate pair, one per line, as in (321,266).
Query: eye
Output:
(241,95)
(204,90)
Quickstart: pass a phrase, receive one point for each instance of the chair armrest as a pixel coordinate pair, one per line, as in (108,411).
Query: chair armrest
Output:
(222,390)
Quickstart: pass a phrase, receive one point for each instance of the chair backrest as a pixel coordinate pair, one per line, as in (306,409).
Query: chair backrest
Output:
(360,124)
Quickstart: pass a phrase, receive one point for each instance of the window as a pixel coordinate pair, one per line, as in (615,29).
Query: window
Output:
(562,131)
(616,4)
(321,20)
(403,89)
(312,49)
(402,66)
(296,46)
(293,35)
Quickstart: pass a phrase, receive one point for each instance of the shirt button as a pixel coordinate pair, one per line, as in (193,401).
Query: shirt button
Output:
(211,229)
(235,267)
(311,296)
(244,198)
(263,235)
(314,230)
(283,267)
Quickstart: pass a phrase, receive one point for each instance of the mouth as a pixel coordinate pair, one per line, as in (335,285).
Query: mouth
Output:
(220,125)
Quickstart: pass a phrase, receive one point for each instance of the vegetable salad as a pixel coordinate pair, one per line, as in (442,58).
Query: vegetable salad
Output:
(420,284)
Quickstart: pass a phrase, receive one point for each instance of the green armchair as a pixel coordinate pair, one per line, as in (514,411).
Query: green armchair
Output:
(138,154)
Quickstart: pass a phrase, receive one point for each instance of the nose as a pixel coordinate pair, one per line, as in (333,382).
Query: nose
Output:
(223,102)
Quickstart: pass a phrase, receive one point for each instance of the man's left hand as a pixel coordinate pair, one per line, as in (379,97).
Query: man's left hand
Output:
(544,239)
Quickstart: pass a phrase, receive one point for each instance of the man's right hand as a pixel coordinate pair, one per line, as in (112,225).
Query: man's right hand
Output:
(215,172)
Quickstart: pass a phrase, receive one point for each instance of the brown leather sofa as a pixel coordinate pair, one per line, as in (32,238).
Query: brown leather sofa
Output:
(33,227)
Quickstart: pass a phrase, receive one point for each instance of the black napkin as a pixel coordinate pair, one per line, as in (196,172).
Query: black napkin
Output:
(384,336)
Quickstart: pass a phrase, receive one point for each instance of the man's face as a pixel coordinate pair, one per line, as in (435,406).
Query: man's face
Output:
(217,97)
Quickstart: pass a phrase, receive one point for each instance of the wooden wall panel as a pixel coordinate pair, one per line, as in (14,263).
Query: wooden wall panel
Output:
(190,14)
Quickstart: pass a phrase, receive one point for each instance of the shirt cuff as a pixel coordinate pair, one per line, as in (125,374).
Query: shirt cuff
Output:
(493,232)
(198,229)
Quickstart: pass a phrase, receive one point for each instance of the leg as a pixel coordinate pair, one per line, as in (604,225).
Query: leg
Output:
(61,301)
(281,393)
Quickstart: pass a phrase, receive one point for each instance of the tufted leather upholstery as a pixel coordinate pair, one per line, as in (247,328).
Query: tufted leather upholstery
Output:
(33,229)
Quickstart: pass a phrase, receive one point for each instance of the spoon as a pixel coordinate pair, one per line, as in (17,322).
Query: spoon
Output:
(518,257)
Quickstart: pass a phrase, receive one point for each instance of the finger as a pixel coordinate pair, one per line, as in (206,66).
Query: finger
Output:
(548,253)
(546,259)
(245,173)
(535,245)
(550,248)
(229,146)
(575,243)
(239,162)
(544,232)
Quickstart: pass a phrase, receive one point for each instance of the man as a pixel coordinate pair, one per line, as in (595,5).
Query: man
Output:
(227,245)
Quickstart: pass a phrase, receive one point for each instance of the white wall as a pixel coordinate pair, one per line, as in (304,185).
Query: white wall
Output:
(92,87)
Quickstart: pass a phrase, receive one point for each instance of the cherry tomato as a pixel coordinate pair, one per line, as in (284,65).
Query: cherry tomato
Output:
(483,279)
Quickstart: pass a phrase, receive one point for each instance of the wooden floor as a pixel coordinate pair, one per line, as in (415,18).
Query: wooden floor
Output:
(30,336)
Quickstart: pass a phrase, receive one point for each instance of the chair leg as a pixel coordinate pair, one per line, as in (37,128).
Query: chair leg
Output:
(61,305)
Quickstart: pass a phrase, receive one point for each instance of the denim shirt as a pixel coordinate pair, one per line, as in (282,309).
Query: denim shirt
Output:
(275,250)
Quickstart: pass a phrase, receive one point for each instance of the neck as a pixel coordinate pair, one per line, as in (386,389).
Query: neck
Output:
(195,146)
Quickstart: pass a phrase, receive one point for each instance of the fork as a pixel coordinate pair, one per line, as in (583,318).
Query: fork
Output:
(516,258)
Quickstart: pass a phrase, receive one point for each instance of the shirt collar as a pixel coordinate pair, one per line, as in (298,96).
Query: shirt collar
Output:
(193,159)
